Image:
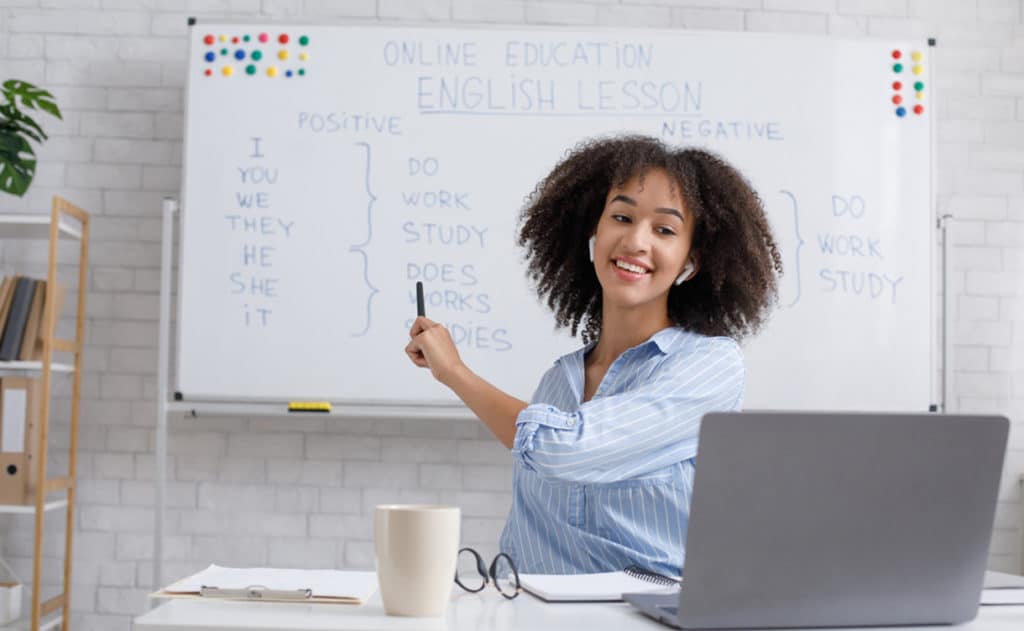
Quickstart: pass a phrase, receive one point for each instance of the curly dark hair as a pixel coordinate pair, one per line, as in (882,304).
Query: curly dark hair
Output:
(739,260)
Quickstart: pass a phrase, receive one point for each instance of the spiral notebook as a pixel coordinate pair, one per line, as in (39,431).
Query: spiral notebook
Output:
(601,587)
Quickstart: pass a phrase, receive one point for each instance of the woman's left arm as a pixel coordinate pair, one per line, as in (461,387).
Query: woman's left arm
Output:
(647,428)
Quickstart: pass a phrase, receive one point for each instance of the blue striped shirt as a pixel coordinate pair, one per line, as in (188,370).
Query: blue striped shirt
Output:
(601,485)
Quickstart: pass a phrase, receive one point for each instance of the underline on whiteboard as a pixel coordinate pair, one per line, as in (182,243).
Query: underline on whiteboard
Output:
(562,114)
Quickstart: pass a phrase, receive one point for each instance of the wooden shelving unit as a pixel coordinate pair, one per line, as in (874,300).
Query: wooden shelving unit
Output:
(66,222)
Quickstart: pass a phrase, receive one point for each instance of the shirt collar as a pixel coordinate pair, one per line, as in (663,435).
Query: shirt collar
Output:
(666,340)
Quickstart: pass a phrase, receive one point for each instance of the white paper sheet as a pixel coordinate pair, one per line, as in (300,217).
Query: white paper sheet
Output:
(323,583)
(1003,596)
(604,586)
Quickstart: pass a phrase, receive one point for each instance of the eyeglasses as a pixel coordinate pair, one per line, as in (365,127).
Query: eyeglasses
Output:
(472,575)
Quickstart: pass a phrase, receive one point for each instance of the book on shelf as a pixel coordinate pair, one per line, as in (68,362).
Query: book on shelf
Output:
(35,316)
(58,303)
(28,346)
(17,320)
(6,293)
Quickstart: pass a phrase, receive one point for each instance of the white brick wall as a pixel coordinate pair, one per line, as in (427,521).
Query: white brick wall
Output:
(303,494)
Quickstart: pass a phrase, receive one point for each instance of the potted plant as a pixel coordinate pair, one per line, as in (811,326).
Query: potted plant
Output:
(17,128)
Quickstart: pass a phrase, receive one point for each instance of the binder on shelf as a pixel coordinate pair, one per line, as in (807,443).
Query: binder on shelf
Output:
(13,476)
(32,327)
(18,439)
(17,320)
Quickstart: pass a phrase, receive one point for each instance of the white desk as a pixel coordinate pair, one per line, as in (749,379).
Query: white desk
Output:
(468,612)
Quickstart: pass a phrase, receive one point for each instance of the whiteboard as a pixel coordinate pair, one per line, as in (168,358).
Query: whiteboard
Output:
(328,168)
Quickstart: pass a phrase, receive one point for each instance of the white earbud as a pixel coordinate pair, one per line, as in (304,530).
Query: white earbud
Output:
(591,244)
(687,272)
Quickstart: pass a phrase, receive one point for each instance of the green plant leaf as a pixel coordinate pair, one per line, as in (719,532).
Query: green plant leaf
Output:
(26,125)
(17,128)
(31,96)
(17,165)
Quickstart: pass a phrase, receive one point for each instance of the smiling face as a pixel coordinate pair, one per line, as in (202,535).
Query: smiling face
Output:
(642,242)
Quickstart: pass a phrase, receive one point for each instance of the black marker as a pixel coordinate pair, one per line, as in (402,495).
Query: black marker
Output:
(420,309)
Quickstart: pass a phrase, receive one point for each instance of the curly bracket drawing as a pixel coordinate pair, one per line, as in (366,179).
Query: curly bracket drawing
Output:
(360,247)
(799,244)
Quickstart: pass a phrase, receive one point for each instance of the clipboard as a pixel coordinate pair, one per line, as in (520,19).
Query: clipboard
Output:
(339,587)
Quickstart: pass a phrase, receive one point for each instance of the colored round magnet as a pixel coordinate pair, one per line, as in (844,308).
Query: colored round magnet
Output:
(250,69)
(264,37)
(282,54)
(916,55)
(245,38)
(302,71)
(919,109)
(209,40)
(897,99)
(896,54)
(234,40)
(283,38)
(239,54)
(918,69)
(257,55)
(897,67)
(210,56)
(288,73)
(304,56)
(208,72)
(901,111)
(227,71)
(896,85)
(223,38)
(272,71)
(303,40)
(920,96)
(919,85)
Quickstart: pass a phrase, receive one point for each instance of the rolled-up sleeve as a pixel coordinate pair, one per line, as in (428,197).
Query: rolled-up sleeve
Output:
(641,430)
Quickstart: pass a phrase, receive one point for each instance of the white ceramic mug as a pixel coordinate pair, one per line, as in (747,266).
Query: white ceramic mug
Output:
(416,550)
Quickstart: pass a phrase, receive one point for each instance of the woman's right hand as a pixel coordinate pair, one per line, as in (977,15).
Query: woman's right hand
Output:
(432,347)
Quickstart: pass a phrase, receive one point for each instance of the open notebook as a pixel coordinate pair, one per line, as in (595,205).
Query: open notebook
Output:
(601,587)
(275,585)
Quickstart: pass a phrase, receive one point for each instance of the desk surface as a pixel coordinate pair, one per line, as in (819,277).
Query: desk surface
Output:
(467,612)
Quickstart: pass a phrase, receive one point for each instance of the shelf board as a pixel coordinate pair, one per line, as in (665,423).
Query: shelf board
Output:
(23,623)
(34,227)
(19,368)
(29,509)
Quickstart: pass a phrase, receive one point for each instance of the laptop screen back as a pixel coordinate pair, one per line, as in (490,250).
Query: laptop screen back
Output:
(840,519)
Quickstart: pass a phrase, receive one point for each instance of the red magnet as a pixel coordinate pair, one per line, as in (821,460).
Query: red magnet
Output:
(283,38)
(897,99)
(896,54)
(209,40)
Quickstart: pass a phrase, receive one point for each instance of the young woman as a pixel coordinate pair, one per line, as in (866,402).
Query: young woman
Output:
(664,258)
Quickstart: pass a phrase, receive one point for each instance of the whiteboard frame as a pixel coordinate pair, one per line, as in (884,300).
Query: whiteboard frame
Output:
(221,405)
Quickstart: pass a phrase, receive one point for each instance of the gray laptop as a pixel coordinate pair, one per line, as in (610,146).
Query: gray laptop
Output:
(837,519)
